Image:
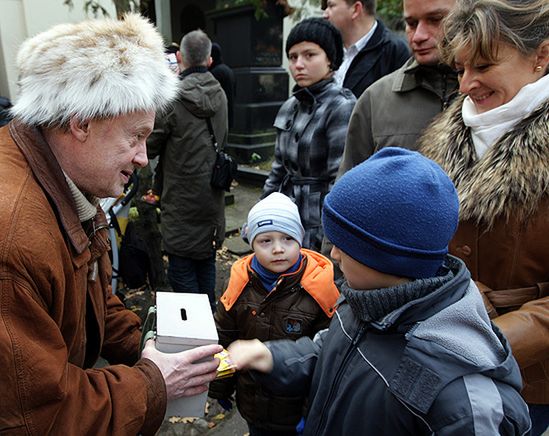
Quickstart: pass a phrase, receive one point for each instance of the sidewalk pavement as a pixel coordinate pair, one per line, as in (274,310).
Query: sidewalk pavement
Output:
(236,214)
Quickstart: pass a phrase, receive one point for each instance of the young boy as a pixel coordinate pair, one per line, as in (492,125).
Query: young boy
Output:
(411,349)
(280,291)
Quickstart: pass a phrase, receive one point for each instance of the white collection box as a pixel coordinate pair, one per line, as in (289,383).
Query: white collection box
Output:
(183,322)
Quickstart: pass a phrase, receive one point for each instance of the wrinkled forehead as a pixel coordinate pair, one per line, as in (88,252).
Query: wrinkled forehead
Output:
(421,9)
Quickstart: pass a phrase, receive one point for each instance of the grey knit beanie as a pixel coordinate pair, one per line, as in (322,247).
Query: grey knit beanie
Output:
(321,32)
(275,213)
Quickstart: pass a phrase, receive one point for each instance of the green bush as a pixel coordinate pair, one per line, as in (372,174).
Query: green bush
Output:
(390,12)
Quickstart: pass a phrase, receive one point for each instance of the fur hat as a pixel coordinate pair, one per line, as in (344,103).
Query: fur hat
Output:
(275,213)
(395,213)
(321,32)
(96,68)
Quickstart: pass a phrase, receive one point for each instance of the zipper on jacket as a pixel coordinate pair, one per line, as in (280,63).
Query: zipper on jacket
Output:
(338,376)
(447,97)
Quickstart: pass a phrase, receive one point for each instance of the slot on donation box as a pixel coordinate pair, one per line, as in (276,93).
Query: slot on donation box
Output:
(183,322)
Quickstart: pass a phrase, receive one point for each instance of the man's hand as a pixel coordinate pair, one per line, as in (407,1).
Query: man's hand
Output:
(251,355)
(183,372)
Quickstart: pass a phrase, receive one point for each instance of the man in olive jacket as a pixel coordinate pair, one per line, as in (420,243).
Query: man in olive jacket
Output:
(398,107)
(193,213)
(86,103)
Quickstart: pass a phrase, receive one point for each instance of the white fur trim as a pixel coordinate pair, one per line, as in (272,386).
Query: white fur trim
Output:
(96,68)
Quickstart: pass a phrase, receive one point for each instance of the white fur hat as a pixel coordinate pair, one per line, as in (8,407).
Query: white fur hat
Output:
(96,68)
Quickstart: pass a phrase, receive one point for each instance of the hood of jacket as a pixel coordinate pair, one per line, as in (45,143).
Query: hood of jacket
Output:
(317,280)
(451,323)
(439,79)
(201,93)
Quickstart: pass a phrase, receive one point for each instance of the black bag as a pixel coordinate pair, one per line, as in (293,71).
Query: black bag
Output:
(225,168)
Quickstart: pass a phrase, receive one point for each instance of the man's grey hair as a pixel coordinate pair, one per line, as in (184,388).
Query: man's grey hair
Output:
(195,48)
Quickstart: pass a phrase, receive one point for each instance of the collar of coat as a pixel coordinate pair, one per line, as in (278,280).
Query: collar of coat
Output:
(412,75)
(317,280)
(508,181)
(50,177)
(193,70)
(310,93)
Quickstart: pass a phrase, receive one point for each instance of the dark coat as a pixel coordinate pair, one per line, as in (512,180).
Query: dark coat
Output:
(225,76)
(384,53)
(503,232)
(193,213)
(300,305)
(433,366)
(311,128)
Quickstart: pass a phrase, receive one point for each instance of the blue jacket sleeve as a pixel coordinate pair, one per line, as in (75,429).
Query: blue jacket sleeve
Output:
(293,365)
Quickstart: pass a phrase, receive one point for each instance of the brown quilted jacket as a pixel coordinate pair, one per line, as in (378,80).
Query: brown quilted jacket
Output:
(301,304)
(503,233)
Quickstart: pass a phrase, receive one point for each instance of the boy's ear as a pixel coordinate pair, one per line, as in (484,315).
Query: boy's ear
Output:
(79,129)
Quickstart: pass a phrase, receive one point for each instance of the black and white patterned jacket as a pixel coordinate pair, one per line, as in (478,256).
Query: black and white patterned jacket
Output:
(311,128)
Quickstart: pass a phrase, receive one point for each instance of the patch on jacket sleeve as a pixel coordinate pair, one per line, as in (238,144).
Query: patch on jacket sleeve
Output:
(293,326)
(417,385)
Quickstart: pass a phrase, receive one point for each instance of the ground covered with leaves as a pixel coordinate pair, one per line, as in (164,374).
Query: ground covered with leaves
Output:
(139,300)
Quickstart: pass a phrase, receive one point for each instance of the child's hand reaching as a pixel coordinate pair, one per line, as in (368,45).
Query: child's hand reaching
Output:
(251,354)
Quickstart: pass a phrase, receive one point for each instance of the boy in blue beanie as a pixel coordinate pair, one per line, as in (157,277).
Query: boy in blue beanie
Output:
(280,291)
(411,349)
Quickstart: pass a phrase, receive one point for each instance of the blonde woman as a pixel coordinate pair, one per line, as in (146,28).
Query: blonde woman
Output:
(494,144)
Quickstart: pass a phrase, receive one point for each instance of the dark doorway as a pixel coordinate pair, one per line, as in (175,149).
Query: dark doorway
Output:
(192,18)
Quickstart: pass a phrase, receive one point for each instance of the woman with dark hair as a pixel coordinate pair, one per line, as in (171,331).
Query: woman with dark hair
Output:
(494,144)
(311,125)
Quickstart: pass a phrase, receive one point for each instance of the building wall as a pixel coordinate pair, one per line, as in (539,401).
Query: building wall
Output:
(21,19)
(24,18)
(307,11)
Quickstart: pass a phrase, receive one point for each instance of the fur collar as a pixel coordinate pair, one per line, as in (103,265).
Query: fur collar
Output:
(508,181)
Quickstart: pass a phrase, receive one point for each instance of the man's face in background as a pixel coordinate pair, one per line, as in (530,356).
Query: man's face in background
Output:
(423,20)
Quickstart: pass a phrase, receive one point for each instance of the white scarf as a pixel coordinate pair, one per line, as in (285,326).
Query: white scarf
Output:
(488,127)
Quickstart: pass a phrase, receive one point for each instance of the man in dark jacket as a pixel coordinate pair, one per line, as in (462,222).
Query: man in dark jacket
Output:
(193,213)
(371,50)
(225,76)
(5,116)
(396,109)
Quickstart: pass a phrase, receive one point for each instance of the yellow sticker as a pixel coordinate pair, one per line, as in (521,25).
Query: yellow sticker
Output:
(225,368)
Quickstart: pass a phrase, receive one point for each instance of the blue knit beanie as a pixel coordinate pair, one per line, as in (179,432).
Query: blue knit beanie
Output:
(395,213)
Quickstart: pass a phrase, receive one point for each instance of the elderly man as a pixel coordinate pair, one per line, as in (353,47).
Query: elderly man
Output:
(396,109)
(87,98)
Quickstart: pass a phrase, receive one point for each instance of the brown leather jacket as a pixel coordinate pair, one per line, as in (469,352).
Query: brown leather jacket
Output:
(503,234)
(57,312)
(300,305)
